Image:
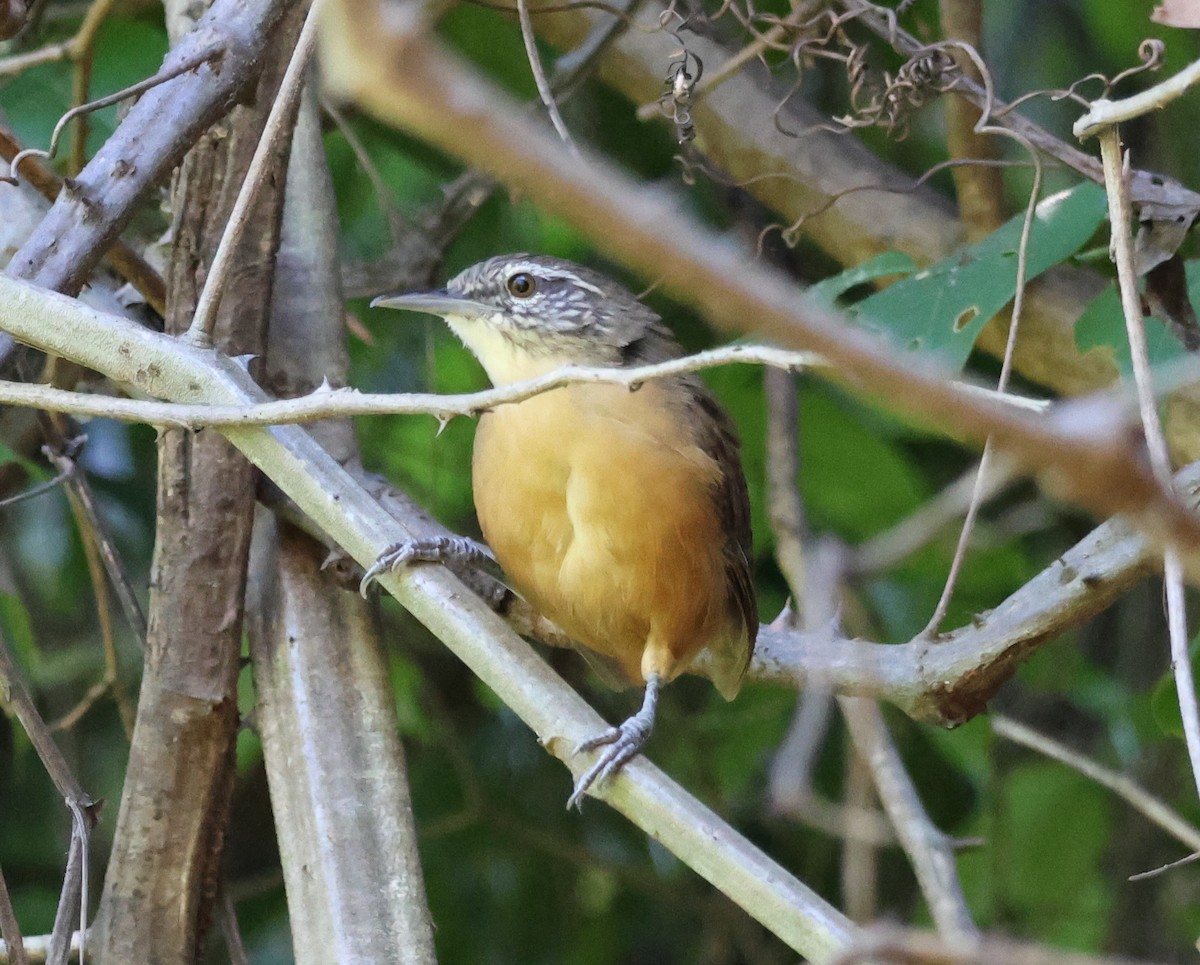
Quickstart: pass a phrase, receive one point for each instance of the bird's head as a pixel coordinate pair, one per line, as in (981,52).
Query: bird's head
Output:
(523,315)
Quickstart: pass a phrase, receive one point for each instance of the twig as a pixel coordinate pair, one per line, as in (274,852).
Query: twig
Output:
(930,851)
(884,550)
(985,126)
(784,506)
(539,76)
(10,928)
(65,462)
(38,489)
(1120,216)
(279,124)
(132,91)
(78,803)
(860,859)
(84,47)
(74,49)
(1152,808)
(326,403)
(235,948)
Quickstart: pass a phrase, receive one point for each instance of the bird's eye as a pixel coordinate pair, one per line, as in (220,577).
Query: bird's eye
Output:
(521,285)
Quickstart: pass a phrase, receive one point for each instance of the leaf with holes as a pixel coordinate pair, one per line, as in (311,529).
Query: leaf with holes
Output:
(942,309)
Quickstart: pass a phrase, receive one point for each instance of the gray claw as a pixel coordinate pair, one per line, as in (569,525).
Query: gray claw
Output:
(452,550)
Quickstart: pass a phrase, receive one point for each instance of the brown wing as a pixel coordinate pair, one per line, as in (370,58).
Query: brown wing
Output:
(716,435)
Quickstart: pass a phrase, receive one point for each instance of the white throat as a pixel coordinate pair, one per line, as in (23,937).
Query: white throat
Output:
(504,361)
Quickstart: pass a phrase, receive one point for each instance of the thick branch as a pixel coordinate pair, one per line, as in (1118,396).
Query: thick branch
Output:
(799,175)
(160,366)
(157,131)
(393,70)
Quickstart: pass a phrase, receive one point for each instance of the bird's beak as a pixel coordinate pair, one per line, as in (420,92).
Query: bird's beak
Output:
(441,303)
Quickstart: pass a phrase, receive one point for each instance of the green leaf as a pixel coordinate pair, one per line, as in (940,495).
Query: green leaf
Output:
(942,310)
(1102,325)
(882,265)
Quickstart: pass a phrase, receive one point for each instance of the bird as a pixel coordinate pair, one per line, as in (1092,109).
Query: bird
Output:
(620,512)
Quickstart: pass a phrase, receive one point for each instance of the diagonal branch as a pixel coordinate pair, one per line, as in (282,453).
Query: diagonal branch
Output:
(161,366)
(448,104)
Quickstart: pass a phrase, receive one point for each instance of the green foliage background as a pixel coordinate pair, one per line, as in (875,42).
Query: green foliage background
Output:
(511,876)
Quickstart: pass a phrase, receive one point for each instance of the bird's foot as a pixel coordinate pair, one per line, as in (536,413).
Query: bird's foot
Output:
(622,743)
(453,551)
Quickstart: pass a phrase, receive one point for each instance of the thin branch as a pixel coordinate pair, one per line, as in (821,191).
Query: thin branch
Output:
(985,126)
(10,929)
(1121,216)
(37,489)
(80,805)
(64,460)
(539,75)
(279,125)
(930,851)
(1152,808)
(884,550)
(133,90)
(327,403)
(900,946)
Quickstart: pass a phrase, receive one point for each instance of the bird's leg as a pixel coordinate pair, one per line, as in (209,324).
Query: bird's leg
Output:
(453,551)
(622,743)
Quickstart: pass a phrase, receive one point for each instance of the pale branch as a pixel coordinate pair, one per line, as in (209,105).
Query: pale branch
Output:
(950,681)
(164,367)
(1120,216)
(37,949)
(331,708)
(401,75)
(1152,808)
(797,176)
(127,262)
(329,403)
(1104,113)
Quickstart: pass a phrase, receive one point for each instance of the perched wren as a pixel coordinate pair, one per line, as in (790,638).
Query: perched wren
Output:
(620,513)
